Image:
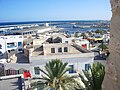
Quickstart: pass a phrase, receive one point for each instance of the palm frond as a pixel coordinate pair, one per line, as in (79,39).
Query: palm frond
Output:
(95,77)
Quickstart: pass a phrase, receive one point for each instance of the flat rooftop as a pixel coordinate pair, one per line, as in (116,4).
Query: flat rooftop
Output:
(71,58)
(73,49)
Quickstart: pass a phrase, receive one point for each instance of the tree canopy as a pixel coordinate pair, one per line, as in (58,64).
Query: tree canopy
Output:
(56,78)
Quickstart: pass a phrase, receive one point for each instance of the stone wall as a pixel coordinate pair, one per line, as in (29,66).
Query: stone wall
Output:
(112,76)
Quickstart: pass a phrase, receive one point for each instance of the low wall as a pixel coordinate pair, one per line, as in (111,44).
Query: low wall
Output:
(13,82)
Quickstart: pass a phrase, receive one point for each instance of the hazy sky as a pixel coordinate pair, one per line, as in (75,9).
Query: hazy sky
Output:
(39,10)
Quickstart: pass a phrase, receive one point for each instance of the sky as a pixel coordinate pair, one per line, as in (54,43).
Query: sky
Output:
(52,10)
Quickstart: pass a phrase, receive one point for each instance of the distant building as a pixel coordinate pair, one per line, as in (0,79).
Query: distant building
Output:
(81,42)
(33,32)
(18,37)
(106,37)
(9,45)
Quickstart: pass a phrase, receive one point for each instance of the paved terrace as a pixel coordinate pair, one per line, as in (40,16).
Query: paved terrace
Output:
(71,58)
(12,82)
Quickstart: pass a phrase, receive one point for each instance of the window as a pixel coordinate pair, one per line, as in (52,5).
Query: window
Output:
(8,51)
(1,53)
(87,67)
(12,50)
(19,43)
(37,71)
(65,49)
(20,49)
(52,50)
(0,46)
(66,41)
(59,49)
(71,69)
(11,45)
(20,36)
(26,33)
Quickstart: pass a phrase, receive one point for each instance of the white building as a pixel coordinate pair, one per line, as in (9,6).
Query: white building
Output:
(106,37)
(68,40)
(77,57)
(82,42)
(11,43)
(33,32)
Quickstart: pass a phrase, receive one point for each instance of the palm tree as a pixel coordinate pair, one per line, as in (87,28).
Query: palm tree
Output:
(103,46)
(90,33)
(99,31)
(83,35)
(94,77)
(55,77)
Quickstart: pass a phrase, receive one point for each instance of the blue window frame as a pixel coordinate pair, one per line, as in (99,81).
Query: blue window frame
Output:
(72,69)
(87,67)
(37,71)
(11,45)
(19,43)
(0,46)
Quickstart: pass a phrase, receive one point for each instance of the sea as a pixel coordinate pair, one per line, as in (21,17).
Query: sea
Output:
(67,25)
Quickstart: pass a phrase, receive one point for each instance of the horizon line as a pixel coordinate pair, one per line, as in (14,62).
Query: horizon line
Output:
(53,20)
